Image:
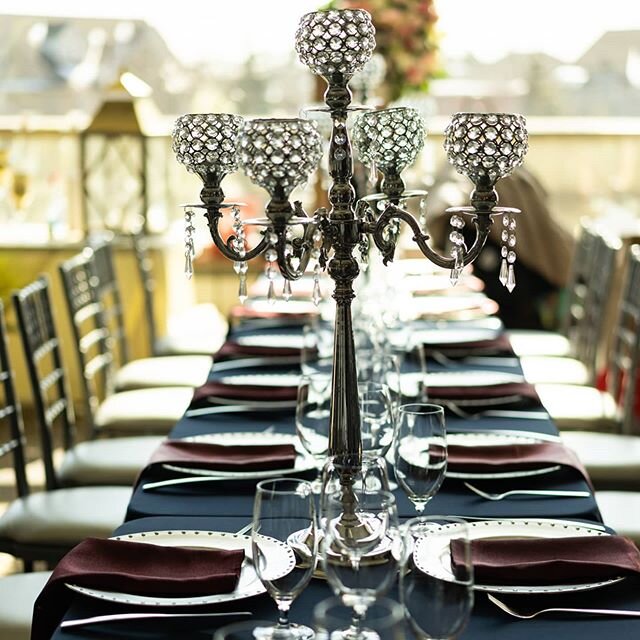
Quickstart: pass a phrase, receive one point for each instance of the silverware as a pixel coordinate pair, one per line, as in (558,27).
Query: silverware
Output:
(548,493)
(592,612)
(246,529)
(117,617)
(175,481)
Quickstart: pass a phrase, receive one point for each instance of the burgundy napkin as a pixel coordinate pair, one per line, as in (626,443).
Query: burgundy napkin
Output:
(513,457)
(241,312)
(500,346)
(239,392)
(542,561)
(205,455)
(231,350)
(526,391)
(132,567)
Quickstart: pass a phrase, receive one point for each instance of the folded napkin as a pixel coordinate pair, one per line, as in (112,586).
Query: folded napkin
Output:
(231,350)
(137,568)
(205,395)
(513,457)
(204,455)
(542,561)
(525,392)
(499,346)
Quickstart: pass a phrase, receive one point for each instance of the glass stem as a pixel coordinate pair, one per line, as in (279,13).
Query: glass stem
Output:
(283,614)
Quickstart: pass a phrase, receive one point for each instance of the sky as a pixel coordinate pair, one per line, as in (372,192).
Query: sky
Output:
(230,29)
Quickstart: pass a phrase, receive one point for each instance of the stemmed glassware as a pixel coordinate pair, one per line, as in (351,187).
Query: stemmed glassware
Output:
(436,577)
(360,563)
(420,451)
(377,419)
(284,510)
(384,620)
(312,418)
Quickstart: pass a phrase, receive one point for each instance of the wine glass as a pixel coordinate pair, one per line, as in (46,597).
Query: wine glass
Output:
(360,561)
(420,455)
(377,421)
(312,418)
(247,630)
(316,355)
(384,620)
(284,510)
(436,583)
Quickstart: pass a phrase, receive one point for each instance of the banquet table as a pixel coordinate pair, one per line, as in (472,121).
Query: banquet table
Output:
(227,506)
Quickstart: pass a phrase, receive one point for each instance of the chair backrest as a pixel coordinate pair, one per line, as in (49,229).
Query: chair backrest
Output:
(624,358)
(41,345)
(92,340)
(108,292)
(145,271)
(602,260)
(582,269)
(12,438)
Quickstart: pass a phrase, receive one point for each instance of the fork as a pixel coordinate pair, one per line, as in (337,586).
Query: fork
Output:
(117,617)
(593,612)
(548,493)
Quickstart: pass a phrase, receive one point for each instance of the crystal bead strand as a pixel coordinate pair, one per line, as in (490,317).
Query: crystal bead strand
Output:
(316,295)
(189,249)
(422,220)
(507,271)
(240,267)
(271,255)
(288,251)
(458,249)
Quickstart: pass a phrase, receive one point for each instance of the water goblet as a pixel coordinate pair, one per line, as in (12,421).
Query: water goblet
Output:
(312,418)
(383,621)
(420,456)
(436,576)
(284,511)
(377,420)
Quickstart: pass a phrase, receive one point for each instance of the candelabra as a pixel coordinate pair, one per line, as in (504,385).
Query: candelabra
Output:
(278,155)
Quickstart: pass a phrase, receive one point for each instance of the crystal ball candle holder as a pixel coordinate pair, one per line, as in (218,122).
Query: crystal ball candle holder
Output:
(486,146)
(390,138)
(331,42)
(206,143)
(278,154)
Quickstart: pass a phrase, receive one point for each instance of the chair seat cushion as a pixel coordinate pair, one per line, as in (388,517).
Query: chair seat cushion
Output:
(539,343)
(200,329)
(579,408)
(112,461)
(608,458)
(144,410)
(621,511)
(65,516)
(17,595)
(554,370)
(167,371)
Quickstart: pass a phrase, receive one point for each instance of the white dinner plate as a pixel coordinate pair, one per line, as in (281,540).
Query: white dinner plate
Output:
(453,336)
(249,584)
(412,382)
(274,340)
(304,461)
(432,556)
(495,440)
(260,379)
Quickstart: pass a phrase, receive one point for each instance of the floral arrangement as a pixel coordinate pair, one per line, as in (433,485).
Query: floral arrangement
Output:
(406,38)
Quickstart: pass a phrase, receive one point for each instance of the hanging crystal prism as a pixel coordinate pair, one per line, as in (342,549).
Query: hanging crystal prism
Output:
(507,270)
(240,266)
(286,290)
(458,249)
(373,172)
(189,249)
(316,295)
(271,255)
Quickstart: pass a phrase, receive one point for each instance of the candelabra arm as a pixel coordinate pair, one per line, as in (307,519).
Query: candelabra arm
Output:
(227,247)
(301,251)
(387,246)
